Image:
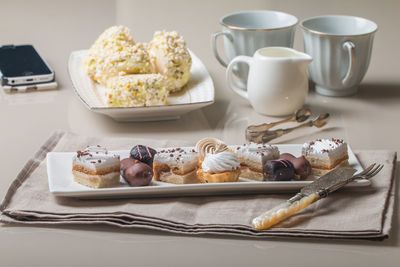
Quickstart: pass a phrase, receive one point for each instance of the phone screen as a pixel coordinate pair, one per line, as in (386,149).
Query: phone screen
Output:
(22,60)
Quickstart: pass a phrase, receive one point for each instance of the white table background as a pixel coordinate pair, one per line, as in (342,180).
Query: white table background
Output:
(368,120)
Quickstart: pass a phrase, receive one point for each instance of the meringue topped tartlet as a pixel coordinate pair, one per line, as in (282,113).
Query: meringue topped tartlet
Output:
(217,163)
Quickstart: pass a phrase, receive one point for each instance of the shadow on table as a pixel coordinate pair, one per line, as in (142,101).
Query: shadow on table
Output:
(378,91)
(374,91)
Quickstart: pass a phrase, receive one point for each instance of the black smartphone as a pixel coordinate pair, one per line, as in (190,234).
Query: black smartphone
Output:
(22,64)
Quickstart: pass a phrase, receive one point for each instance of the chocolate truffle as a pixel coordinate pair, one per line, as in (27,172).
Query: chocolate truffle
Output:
(301,165)
(143,154)
(278,170)
(138,174)
(126,163)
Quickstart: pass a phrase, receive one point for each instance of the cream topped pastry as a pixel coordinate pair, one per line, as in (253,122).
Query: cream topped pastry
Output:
(216,162)
(96,167)
(253,157)
(325,155)
(170,57)
(176,165)
(220,162)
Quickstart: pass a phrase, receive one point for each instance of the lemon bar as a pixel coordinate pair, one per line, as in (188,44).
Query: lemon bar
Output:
(136,90)
(169,57)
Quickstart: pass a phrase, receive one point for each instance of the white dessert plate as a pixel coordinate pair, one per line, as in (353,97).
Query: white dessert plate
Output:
(197,93)
(59,165)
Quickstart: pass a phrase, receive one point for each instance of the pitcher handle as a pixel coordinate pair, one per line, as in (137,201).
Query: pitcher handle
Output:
(229,75)
(214,44)
(350,47)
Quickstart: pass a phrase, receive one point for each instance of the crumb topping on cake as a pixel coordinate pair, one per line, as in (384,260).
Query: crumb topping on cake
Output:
(174,156)
(95,157)
(136,90)
(169,56)
(325,147)
(257,149)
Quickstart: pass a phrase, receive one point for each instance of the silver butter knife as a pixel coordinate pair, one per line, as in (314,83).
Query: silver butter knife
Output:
(318,189)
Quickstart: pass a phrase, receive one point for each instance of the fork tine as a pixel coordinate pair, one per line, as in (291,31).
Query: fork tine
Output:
(368,169)
(367,173)
(376,170)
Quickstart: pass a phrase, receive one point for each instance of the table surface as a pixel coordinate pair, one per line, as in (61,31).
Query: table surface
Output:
(367,120)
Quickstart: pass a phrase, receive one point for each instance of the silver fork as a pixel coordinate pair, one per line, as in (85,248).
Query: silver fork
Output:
(368,173)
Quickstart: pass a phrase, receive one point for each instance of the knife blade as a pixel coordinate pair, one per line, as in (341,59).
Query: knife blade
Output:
(329,180)
(318,189)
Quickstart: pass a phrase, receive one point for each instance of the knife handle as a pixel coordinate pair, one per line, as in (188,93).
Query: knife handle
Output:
(282,212)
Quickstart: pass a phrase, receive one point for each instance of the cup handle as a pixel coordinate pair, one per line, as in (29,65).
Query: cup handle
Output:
(229,75)
(214,44)
(350,47)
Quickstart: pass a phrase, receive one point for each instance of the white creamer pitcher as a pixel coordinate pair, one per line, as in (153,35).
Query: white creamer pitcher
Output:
(277,84)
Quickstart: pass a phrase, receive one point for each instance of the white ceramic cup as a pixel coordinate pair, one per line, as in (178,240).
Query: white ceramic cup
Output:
(247,31)
(341,49)
(277,83)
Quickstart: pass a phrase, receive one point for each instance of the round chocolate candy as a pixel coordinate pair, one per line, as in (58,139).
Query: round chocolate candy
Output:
(301,165)
(143,154)
(278,170)
(138,174)
(126,163)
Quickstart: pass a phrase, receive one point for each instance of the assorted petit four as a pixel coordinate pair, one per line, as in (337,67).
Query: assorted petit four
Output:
(125,164)
(278,170)
(210,161)
(96,167)
(252,158)
(137,74)
(176,166)
(217,164)
(137,170)
(302,166)
(325,155)
(137,173)
(143,154)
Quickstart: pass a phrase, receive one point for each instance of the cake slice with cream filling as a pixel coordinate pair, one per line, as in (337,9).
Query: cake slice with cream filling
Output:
(325,155)
(176,165)
(96,167)
(252,158)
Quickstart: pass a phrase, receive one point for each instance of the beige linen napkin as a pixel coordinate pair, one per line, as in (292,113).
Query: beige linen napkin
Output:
(356,213)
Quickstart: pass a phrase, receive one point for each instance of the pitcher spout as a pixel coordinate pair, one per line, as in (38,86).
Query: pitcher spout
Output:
(303,58)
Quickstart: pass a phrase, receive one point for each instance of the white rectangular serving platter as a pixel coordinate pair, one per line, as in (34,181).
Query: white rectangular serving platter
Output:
(59,170)
(197,93)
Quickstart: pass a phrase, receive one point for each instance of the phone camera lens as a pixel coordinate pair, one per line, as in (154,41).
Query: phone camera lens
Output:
(12,81)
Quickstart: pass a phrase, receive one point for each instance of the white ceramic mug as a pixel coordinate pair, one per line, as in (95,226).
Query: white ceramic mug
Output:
(247,31)
(341,49)
(277,84)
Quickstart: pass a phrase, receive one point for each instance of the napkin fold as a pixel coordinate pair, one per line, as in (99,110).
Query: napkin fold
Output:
(351,213)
